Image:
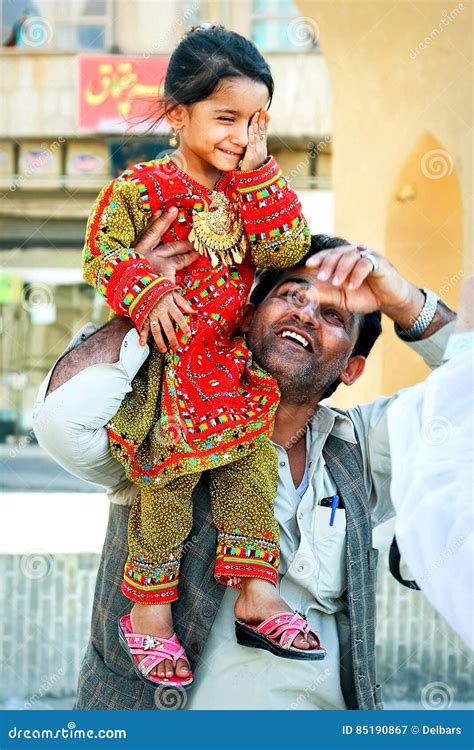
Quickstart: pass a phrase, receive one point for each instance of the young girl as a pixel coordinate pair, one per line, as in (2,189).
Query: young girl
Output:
(203,404)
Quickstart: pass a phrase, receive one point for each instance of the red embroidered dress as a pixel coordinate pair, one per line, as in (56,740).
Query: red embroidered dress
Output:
(215,403)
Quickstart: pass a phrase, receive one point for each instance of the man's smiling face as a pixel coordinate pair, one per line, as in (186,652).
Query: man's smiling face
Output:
(300,340)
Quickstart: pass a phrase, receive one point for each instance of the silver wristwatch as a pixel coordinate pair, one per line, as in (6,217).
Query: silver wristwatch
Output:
(423,320)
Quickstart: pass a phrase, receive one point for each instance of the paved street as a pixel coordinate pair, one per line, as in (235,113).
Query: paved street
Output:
(29,469)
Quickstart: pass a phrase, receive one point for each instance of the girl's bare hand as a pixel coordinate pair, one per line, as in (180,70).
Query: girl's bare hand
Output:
(256,151)
(165,318)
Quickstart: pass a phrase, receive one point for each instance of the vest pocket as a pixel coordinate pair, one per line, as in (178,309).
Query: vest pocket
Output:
(329,548)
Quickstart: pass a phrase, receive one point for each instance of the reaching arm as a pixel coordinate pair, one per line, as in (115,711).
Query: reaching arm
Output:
(349,281)
(348,278)
(433,425)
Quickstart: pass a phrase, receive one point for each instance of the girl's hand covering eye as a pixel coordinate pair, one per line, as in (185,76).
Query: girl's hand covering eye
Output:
(256,151)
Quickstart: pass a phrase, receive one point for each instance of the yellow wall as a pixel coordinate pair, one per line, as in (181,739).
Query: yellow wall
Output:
(424,240)
(401,81)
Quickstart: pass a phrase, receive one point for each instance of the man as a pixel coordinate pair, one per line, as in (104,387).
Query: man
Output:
(328,564)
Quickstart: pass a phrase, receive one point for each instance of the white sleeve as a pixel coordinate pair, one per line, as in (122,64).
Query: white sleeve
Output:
(431,429)
(432,348)
(370,422)
(70,422)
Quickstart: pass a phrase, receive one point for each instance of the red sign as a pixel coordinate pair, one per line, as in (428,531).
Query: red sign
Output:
(117,92)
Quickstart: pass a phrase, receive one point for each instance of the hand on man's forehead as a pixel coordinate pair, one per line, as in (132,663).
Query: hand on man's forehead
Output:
(306,281)
(302,288)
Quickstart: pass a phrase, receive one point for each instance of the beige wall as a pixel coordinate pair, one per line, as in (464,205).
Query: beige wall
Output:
(39,92)
(148,27)
(401,82)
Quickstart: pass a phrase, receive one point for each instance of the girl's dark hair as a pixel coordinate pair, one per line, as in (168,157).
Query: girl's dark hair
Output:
(204,57)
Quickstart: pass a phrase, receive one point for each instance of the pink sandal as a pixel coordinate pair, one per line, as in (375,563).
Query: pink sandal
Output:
(277,635)
(155,651)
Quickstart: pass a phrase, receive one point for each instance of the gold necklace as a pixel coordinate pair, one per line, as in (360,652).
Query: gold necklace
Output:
(218,231)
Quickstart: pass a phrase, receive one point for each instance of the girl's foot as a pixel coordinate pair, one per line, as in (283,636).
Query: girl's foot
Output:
(258,600)
(156,619)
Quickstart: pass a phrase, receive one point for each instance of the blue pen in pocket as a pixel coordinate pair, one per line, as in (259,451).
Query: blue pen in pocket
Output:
(334,506)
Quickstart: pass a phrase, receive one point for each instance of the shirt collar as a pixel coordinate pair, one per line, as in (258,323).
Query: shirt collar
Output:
(330,421)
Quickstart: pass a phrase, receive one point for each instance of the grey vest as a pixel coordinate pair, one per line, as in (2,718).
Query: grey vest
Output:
(106,679)
(344,461)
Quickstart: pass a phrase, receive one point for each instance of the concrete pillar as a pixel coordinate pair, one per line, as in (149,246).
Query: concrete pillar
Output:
(401,81)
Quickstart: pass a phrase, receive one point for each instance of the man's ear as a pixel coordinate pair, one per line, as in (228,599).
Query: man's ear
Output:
(246,321)
(353,370)
(177,117)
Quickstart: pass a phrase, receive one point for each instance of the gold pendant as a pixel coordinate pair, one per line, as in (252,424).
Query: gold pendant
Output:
(219,232)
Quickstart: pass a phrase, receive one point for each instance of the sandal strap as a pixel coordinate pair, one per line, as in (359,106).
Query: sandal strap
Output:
(278,624)
(284,627)
(156,649)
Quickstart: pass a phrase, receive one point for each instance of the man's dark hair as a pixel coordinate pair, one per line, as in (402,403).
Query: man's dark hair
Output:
(370,323)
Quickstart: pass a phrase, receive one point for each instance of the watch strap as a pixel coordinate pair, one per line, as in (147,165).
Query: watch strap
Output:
(423,320)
